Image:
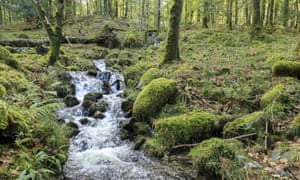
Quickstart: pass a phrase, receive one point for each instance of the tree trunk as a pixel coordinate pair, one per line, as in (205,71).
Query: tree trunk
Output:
(229,14)
(247,12)
(68,9)
(1,15)
(158,16)
(296,14)
(263,11)
(205,14)
(116,8)
(236,12)
(285,15)
(270,13)
(54,32)
(87,8)
(172,45)
(256,23)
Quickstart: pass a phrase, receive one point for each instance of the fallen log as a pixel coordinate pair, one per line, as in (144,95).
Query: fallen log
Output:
(108,41)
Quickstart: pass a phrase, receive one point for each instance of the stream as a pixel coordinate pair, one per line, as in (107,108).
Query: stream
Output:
(97,152)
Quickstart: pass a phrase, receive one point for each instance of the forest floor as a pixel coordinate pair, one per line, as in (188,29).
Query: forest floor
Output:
(221,72)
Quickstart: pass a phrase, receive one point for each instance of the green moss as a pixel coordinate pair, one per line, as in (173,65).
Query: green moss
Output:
(133,73)
(250,123)
(3,116)
(286,68)
(131,41)
(13,80)
(154,147)
(294,129)
(7,58)
(2,91)
(211,157)
(153,97)
(184,129)
(149,75)
(272,96)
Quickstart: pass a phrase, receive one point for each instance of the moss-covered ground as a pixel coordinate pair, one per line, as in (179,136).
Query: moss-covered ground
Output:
(220,72)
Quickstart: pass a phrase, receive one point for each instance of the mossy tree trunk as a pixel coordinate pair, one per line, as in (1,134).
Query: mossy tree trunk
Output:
(172,45)
(54,32)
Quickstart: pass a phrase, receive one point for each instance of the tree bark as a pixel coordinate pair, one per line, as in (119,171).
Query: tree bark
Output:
(158,16)
(229,14)
(285,15)
(270,13)
(205,15)
(236,12)
(172,45)
(256,23)
(263,11)
(1,15)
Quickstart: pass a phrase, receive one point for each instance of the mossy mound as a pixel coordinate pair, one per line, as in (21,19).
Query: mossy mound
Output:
(131,41)
(250,123)
(272,96)
(133,73)
(3,116)
(286,68)
(153,97)
(214,157)
(7,58)
(148,76)
(183,129)
(14,81)
(153,147)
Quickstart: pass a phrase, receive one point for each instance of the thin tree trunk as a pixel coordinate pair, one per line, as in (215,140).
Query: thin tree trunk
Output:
(205,15)
(172,45)
(87,8)
(1,15)
(116,8)
(236,12)
(297,14)
(263,11)
(285,13)
(229,14)
(256,23)
(158,16)
(247,12)
(270,13)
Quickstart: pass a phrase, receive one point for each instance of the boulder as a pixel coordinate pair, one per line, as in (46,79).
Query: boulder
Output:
(286,68)
(100,106)
(62,90)
(98,115)
(153,98)
(84,121)
(71,100)
(74,128)
(93,96)
(141,128)
(92,72)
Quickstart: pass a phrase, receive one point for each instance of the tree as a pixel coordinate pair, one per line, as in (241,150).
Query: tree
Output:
(172,45)
(205,15)
(285,12)
(54,32)
(256,23)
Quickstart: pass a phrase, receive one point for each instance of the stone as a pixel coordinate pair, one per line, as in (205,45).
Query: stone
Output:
(71,100)
(98,115)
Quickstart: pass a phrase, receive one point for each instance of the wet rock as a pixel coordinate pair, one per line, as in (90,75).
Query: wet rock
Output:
(99,106)
(126,106)
(124,134)
(74,127)
(62,121)
(62,90)
(98,115)
(140,140)
(127,125)
(92,72)
(93,96)
(70,101)
(84,121)
(141,128)
(87,104)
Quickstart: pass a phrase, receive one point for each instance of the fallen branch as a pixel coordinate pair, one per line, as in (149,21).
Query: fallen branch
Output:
(243,136)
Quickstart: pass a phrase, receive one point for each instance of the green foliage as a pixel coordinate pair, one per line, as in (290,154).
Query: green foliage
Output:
(186,128)
(131,41)
(218,158)
(272,96)
(3,116)
(294,129)
(149,75)
(154,147)
(286,68)
(2,91)
(133,73)
(153,97)
(250,123)
(14,81)
(7,58)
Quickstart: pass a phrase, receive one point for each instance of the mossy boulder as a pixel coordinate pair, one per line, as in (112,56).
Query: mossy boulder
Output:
(100,106)
(153,97)
(148,76)
(93,96)
(132,74)
(214,157)
(141,128)
(2,91)
(70,101)
(153,147)
(250,123)
(64,89)
(7,58)
(272,96)
(184,129)
(286,68)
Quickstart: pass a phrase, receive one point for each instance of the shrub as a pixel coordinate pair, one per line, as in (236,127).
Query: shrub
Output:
(153,97)
(286,68)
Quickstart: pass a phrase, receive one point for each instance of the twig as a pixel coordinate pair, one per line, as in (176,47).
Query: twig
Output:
(243,136)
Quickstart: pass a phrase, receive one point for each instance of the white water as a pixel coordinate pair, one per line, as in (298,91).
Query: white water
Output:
(97,152)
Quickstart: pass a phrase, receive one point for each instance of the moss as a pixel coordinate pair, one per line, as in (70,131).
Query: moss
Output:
(149,75)
(186,128)
(131,41)
(133,73)
(7,58)
(153,147)
(14,80)
(294,129)
(211,157)
(270,97)
(3,116)
(250,123)
(2,91)
(286,68)
(153,97)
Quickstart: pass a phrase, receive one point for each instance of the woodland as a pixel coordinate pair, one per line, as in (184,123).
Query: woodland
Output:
(211,85)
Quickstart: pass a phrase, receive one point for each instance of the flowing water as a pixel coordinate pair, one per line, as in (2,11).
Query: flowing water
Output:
(97,152)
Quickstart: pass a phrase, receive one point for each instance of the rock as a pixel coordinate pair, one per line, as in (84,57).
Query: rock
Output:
(141,128)
(84,121)
(74,127)
(126,106)
(87,104)
(93,96)
(140,140)
(127,125)
(153,98)
(99,106)
(98,115)
(92,72)
(286,68)
(124,134)
(70,101)
(41,49)
(62,90)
